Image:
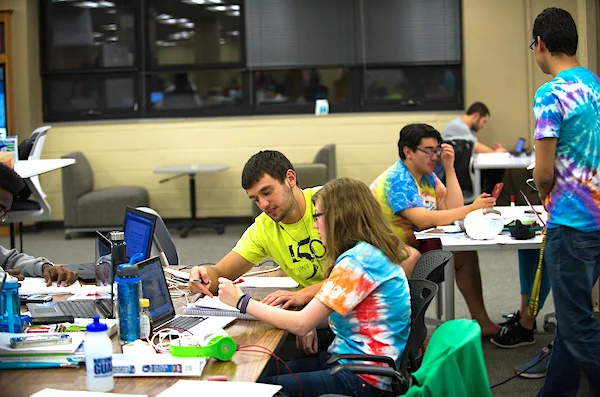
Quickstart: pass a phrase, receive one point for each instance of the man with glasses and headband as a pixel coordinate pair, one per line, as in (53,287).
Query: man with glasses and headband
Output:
(12,261)
(284,232)
(413,198)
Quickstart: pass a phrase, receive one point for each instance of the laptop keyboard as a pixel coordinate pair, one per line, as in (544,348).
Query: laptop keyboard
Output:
(185,322)
(78,308)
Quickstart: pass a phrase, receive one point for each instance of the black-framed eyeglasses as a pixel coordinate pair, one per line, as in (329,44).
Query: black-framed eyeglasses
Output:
(317,216)
(430,152)
(3,215)
(533,44)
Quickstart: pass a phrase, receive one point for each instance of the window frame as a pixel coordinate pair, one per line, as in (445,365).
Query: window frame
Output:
(144,67)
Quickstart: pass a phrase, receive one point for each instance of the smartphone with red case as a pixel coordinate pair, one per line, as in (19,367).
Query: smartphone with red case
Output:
(497,190)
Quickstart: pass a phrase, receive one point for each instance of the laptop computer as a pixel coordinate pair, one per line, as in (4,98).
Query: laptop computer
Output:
(154,287)
(138,228)
(519,147)
(82,308)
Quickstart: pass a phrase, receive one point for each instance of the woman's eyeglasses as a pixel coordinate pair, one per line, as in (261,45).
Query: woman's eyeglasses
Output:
(317,216)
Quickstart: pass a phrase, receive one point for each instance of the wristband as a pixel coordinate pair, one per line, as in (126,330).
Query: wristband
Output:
(244,304)
(237,305)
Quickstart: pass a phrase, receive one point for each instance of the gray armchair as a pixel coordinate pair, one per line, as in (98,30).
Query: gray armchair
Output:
(87,209)
(322,169)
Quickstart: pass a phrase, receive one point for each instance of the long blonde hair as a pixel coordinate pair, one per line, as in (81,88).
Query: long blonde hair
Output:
(351,214)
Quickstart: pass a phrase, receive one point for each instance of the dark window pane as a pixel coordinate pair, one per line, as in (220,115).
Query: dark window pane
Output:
(411,31)
(91,34)
(186,32)
(413,85)
(301,86)
(194,90)
(299,33)
(91,94)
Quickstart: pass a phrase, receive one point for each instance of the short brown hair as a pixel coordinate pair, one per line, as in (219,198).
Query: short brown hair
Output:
(478,107)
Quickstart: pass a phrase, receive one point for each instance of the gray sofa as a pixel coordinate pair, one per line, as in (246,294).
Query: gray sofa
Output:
(87,209)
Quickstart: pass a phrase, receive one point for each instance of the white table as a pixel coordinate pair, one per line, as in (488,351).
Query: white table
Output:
(29,171)
(495,161)
(28,168)
(461,242)
(191,170)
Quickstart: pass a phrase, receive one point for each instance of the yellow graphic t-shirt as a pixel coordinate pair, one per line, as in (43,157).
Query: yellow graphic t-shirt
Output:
(297,247)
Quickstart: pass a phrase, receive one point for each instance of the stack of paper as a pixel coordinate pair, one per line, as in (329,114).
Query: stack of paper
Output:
(208,388)
(41,357)
(37,285)
(77,393)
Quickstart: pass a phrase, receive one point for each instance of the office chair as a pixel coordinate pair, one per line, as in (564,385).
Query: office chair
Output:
(421,294)
(23,209)
(162,239)
(430,266)
(463,164)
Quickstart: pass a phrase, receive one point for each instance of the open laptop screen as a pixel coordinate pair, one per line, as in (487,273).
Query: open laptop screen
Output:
(139,231)
(154,287)
(520,145)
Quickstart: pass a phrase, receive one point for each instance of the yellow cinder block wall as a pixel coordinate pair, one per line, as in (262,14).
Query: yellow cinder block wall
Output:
(498,70)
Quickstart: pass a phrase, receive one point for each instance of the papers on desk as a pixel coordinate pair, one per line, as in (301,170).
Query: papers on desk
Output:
(7,350)
(37,285)
(66,356)
(207,306)
(208,388)
(439,231)
(77,393)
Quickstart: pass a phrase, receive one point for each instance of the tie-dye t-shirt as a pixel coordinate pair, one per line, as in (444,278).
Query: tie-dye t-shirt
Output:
(397,190)
(568,108)
(371,302)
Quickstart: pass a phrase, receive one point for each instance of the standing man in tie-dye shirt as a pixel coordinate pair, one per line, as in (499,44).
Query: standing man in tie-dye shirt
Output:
(413,198)
(567,151)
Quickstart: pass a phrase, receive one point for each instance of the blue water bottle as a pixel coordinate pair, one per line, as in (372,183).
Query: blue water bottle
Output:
(129,292)
(10,314)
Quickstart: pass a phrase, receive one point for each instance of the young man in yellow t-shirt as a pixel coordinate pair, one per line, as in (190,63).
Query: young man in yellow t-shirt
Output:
(284,232)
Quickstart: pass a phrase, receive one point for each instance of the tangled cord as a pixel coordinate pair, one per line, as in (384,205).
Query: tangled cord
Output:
(256,349)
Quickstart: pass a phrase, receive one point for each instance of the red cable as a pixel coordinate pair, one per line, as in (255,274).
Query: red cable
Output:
(277,359)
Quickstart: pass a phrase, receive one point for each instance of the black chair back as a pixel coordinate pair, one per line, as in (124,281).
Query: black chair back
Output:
(430,266)
(463,150)
(422,293)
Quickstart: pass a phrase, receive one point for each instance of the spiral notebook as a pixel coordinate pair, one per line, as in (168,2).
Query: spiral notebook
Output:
(208,306)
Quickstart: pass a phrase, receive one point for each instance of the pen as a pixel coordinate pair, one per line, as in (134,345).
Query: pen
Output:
(200,281)
(238,281)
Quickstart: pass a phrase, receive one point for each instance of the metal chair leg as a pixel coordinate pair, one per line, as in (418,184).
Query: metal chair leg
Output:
(21,236)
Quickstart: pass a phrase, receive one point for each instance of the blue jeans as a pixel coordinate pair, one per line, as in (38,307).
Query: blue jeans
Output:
(528,261)
(313,375)
(573,261)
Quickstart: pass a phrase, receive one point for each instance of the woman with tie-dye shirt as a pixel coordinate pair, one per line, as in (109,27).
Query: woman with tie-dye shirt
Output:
(366,296)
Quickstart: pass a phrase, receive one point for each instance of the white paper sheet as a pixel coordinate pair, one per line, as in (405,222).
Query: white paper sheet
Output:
(208,388)
(6,349)
(37,285)
(76,393)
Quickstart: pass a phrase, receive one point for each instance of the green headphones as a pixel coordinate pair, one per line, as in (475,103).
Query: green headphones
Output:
(219,346)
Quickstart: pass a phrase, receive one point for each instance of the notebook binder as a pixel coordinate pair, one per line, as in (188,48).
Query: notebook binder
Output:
(204,311)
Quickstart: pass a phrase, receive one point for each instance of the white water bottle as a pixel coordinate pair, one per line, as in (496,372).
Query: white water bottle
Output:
(98,357)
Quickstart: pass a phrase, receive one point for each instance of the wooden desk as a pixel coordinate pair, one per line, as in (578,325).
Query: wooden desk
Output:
(244,367)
